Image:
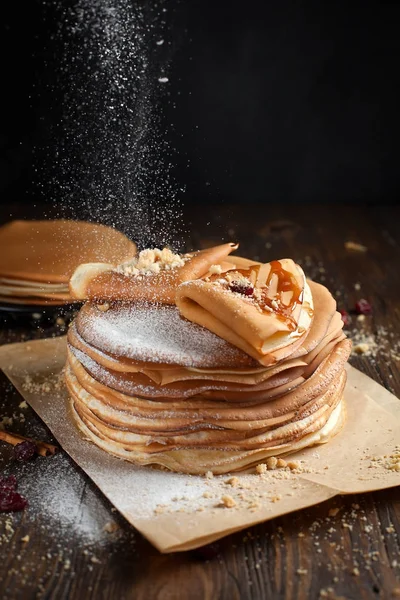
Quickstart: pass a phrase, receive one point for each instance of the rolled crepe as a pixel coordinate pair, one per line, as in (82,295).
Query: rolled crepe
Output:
(265,310)
(104,283)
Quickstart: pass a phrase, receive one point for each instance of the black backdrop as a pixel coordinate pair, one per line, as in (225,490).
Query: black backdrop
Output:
(267,101)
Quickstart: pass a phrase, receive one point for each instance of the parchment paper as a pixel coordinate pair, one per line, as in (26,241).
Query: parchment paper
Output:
(180,512)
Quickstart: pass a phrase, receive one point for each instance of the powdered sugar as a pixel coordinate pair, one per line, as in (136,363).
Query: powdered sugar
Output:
(156,334)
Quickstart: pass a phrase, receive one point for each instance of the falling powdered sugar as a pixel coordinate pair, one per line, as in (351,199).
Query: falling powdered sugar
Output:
(108,157)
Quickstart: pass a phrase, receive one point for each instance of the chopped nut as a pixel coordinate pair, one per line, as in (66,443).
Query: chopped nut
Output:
(228,501)
(233,481)
(355,571)
(111,527)
(395,466)
(103,307)
(261,468)
(276,498)
(150,262)
(355,246)
(293,465)
(390,529)
(333,512)
(281,464)
(271,463)
(209,475)
(215,270)
(361,348)
(25,539)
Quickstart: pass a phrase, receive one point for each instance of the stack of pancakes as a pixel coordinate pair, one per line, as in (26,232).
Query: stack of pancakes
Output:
(37,258)
(248,363)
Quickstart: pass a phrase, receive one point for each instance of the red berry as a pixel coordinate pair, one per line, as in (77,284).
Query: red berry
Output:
(363,307)
(345,317)
(10,500)
(25,450)
(8,483)
(239,288)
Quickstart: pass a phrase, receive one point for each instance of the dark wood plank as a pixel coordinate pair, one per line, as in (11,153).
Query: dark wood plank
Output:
(309,554)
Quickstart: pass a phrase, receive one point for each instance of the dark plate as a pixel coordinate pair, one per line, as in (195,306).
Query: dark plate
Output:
(36,308)
(37,312)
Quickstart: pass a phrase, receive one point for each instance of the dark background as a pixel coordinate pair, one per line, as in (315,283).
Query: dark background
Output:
(266,101)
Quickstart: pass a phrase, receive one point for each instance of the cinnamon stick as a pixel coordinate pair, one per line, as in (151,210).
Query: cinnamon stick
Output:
(42,448)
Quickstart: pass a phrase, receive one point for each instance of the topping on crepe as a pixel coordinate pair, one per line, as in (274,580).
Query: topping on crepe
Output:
(151,262)
(262,310)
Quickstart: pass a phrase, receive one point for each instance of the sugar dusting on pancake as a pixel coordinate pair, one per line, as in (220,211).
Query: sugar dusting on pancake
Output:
(156,334)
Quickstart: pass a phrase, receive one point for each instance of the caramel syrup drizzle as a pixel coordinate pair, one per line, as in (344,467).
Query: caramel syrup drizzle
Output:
(286,283)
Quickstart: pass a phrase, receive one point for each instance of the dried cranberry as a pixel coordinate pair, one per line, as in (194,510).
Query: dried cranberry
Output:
(363,307)
(246,290)
(25,450)
(10,500)
(345,317)
(8,483)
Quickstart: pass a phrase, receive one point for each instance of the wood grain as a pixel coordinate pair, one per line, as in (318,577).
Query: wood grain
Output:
(305,555)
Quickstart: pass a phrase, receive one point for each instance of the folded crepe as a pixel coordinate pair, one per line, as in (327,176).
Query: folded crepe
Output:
(266,310)
(153,275)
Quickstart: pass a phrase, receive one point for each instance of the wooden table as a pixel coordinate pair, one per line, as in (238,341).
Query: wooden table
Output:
(354,555)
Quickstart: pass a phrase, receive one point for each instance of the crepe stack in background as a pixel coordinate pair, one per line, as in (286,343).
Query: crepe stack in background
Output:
(37,258)
(247,364)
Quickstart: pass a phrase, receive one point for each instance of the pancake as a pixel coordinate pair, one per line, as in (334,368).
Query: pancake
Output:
(204,361)
(155,388)
(50,251)
(151,334)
